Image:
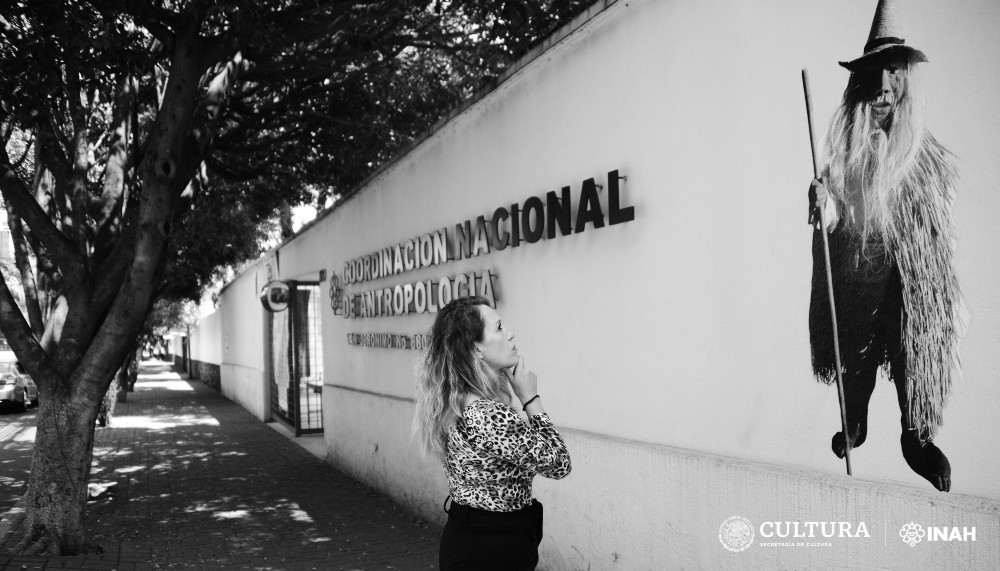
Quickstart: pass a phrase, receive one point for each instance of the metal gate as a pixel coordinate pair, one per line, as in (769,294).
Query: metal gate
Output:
(297,360)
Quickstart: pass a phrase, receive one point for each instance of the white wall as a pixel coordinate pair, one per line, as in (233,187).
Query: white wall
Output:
(175,345)
(651,507)
(242,371)
(673,349)
(206,340)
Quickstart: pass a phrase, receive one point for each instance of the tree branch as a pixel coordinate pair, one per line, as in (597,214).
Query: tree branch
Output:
(173,155)
(53,149)
(20,337)
(27,150)
(107,218)
(23,262)
(42,227)
(111,271)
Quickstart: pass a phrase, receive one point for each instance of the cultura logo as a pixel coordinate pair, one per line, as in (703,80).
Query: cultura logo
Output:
(736,533)
(912,533)
(811,529)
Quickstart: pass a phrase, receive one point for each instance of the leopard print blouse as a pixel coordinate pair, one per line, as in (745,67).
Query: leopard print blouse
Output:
(493,456)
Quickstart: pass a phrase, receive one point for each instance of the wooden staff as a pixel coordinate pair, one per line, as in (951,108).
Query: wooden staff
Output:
(829,278)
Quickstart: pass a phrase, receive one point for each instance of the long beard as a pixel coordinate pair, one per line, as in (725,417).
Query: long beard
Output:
(867,164)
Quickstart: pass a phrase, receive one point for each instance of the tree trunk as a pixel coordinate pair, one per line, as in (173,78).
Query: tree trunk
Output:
(107,409)
(60,469)
(133,369)
(125,379)
(121,380)
(23,262)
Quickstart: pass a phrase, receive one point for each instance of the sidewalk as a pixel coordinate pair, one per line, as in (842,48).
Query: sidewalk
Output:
(202,484)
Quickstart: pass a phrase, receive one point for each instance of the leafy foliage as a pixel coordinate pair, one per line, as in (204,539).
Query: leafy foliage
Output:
(319,104)
(149,143)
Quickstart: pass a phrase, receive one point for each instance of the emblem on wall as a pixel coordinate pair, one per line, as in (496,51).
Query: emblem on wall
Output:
(736,533)
(336,294)
(912,533)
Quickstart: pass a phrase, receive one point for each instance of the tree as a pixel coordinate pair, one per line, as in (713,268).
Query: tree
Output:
(130,126)
(168,315)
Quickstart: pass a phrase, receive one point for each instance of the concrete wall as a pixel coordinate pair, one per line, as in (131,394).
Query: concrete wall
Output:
(175,349)
(241,329)
(654,507)
(208,373)
(672,350)
(206,350)
(206,340)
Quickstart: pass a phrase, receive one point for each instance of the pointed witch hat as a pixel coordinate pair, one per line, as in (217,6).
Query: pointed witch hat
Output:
(885,39)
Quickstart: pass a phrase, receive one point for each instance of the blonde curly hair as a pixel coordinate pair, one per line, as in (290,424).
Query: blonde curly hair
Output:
(450,370)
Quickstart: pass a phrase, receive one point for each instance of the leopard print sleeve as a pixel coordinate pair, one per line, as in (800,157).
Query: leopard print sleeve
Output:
(535,446)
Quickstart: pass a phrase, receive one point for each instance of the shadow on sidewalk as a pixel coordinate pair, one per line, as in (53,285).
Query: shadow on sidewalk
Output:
(201,483)
(17,444)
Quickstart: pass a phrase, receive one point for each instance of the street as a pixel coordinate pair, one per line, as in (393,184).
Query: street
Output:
(17,437)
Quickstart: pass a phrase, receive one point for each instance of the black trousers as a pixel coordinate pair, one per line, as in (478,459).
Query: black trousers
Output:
(871,317)
(476,539)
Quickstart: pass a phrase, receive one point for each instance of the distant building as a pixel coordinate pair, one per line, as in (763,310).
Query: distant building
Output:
(6,253)
(6,242)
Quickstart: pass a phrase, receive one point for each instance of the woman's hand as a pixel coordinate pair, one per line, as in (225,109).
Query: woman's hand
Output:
(523,381)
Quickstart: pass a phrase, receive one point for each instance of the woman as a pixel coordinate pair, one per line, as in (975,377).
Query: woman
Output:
(490,455)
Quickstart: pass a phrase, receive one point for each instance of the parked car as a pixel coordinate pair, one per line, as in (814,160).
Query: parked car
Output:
(16,388)
(31,389)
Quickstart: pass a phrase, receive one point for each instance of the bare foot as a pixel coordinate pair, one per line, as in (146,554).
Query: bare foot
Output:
(858,436)
(926,459)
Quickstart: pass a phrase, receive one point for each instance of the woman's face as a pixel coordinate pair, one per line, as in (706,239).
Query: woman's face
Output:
(497,347)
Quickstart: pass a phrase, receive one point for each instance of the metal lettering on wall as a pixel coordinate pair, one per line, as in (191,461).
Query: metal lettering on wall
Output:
(418,341)
(414,298)
(507,227)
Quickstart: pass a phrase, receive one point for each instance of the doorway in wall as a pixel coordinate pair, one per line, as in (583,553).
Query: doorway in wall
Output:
(297,360)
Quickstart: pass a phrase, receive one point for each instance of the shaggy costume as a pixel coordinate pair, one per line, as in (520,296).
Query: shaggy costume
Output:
(897,298)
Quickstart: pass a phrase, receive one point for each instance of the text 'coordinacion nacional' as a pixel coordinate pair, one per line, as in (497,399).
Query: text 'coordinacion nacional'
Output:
(527,222)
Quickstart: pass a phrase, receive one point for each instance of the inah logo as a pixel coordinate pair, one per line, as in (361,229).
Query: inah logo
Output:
(912,533)
(736,533)
(935,533)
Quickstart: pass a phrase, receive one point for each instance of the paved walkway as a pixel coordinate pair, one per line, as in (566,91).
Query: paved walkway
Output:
(204,485)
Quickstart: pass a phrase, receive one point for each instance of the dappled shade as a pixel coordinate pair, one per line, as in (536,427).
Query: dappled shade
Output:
(220,487)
